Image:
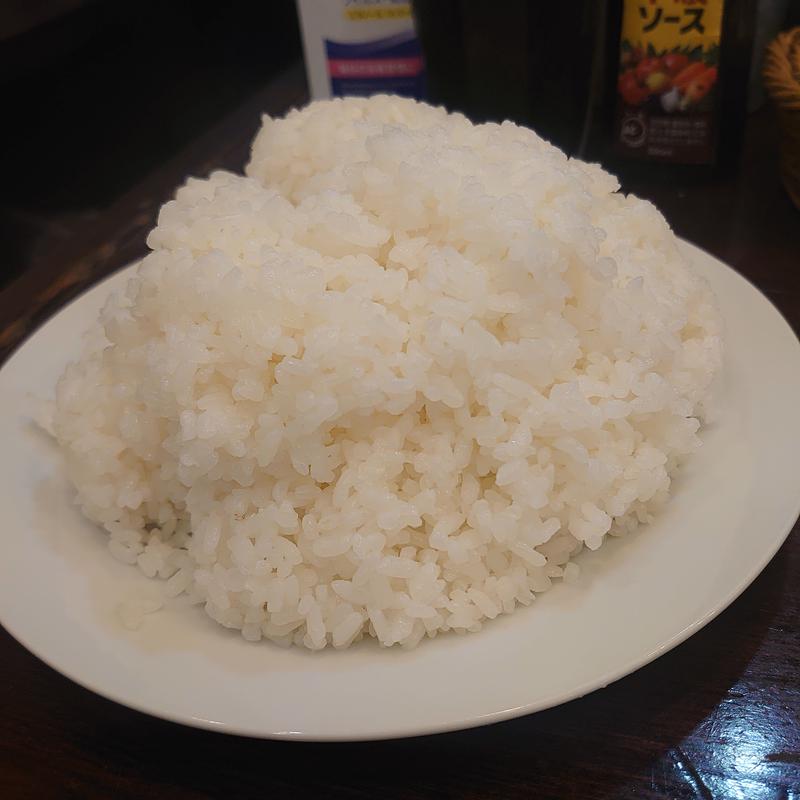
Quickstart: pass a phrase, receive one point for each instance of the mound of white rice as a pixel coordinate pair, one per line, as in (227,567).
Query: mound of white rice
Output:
(391,382)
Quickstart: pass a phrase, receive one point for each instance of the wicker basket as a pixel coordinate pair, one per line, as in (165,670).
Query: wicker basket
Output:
(782,80)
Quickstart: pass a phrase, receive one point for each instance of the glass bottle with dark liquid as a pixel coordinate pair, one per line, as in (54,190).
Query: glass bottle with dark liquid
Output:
(530,62)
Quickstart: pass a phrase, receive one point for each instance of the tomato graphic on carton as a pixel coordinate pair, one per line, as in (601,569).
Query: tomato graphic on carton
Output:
(671,81)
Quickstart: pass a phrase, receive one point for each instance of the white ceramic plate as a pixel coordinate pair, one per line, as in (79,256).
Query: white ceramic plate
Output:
(733,505)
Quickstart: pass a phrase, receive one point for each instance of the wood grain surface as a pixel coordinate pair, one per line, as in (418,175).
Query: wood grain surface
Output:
(715,718)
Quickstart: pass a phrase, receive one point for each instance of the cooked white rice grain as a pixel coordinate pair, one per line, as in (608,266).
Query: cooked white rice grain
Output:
(391,382)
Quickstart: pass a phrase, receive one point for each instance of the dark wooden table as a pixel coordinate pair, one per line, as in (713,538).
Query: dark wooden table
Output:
(715,718)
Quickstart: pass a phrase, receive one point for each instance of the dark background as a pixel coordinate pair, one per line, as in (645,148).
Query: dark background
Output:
(96,94)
